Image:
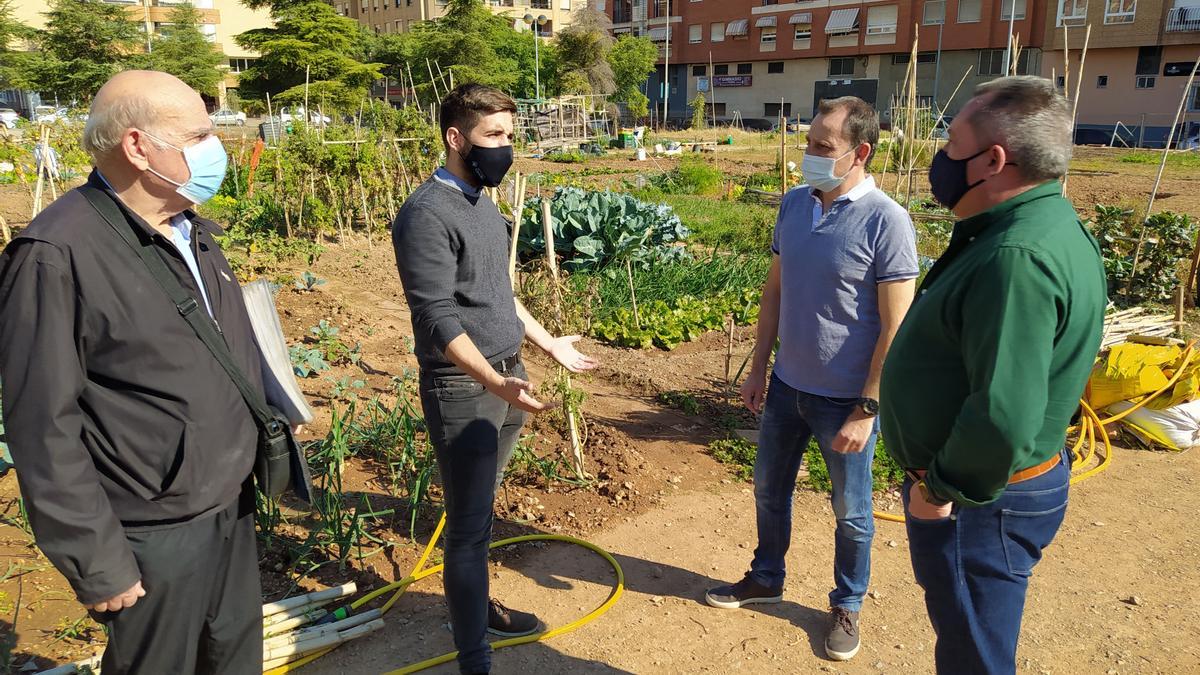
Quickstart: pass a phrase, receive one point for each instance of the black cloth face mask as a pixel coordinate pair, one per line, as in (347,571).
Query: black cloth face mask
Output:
(489,165)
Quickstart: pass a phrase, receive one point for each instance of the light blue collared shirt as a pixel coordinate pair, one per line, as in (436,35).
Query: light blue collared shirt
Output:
(443,175)
(181,237)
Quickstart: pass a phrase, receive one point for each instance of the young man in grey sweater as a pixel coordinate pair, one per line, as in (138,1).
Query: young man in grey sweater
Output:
(452,252)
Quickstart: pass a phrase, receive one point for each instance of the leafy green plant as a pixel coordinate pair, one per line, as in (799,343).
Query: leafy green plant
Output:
(737,453)
(344,388)
(886,474)
(526,464)
(1168,242)
(565,157)
(326,336)
(685,401)
(668,324)
(307,361)
(308,282)
(692,176)
(82,628)
(593,229)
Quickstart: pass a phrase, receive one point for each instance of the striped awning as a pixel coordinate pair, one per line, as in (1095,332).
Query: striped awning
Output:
(801,18)
(766,22)
(738,27)
(842,21)
(658,34)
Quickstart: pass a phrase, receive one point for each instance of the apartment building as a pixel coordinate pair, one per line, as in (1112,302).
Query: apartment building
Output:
(769,56)
(399,16)
(220,21)
(1139,57)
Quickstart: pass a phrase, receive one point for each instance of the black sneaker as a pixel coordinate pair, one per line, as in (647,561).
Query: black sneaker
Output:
(842,643)
(745,592)
(507,622)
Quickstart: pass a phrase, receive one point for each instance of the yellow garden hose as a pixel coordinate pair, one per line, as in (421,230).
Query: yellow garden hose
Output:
(1093,432)
(420,572)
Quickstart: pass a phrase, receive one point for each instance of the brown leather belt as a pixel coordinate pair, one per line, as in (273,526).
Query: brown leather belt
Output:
(1035,471)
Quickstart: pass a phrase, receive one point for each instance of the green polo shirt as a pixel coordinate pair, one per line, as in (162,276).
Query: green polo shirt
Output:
(987,369)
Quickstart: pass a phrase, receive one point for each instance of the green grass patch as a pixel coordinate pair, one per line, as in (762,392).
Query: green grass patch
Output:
(1189,160)
(726,225)
(736,453)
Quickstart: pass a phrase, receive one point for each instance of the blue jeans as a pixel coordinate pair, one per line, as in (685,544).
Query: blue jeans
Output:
(473,433)
(975,566)
(790,419)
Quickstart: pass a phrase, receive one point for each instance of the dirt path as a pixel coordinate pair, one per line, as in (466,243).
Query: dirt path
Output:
(1128,533)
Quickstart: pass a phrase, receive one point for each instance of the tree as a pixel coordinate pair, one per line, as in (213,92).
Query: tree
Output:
(184,52)
(13,64)
(632,60)
(85,43)
(583,49)
(309,38)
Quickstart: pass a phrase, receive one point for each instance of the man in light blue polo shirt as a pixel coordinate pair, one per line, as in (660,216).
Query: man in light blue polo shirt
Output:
(842,278)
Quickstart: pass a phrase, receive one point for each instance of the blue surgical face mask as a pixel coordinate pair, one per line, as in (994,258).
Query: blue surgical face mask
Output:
(818,171)
(206,161)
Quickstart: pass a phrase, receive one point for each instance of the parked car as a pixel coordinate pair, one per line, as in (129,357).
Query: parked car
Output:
(9,117)
(226,117)
(941,128)
(293,114)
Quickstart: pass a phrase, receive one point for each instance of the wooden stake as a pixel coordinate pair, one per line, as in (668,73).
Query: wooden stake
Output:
(637,319)
(4,229)
(548,234)
(568,414)
(729,351)
(518,212)
(1066,61)
(1087,37)
(287,220)
(1179,293)
(783,177)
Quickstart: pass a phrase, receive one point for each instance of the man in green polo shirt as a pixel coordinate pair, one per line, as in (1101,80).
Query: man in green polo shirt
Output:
(987,369)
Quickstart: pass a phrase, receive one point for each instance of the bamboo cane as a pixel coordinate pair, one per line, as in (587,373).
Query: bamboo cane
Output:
(293,623)
(312,632)
(309,598)
(518,212)
(1066,61)
(270,621)
(1087,37)
(287,220)
(568,413)
(283,655)
(7,232)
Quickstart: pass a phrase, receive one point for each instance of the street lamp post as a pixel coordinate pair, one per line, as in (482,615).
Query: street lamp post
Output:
(534,23)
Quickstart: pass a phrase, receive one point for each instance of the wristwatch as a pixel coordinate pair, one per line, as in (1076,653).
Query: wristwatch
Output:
(869,406)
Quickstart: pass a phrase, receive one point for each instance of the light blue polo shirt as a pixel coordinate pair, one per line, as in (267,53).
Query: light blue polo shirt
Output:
(832,264)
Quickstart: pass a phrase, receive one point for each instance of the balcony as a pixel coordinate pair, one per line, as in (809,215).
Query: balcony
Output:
(1183,20)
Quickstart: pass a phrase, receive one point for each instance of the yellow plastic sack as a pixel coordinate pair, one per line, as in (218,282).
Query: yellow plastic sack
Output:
(1129,372)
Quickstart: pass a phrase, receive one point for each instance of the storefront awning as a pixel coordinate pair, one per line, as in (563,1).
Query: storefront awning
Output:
(765,22)
(801,18)
(738,27)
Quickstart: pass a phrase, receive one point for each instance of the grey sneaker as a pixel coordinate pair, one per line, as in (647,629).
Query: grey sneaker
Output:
(507,622)
(745,592)
(842,643)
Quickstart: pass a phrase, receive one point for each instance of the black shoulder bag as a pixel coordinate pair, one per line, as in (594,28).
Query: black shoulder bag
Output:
(279,461)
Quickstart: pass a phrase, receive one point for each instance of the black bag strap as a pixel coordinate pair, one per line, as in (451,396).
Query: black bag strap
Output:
(187,306)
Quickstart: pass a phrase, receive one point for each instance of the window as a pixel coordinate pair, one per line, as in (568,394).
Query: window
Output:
(1060,82)
(239,65)
(991,62)
(882,20)
(1119,11)
(1148,61)
(699,71)
(803,33)
(768,36)
(722,69)
(969,11)
(841,67)
(717,32)
(1194,100)
(774,67)
(745,69)
(695,34)
(1101,81)
(923,57)
(1145,82)
(1072,12)
(935,13)
(1006,9)
(771,110)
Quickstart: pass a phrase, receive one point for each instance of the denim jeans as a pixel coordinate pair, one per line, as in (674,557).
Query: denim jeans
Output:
(975,566)
(473,433)
(790,419)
